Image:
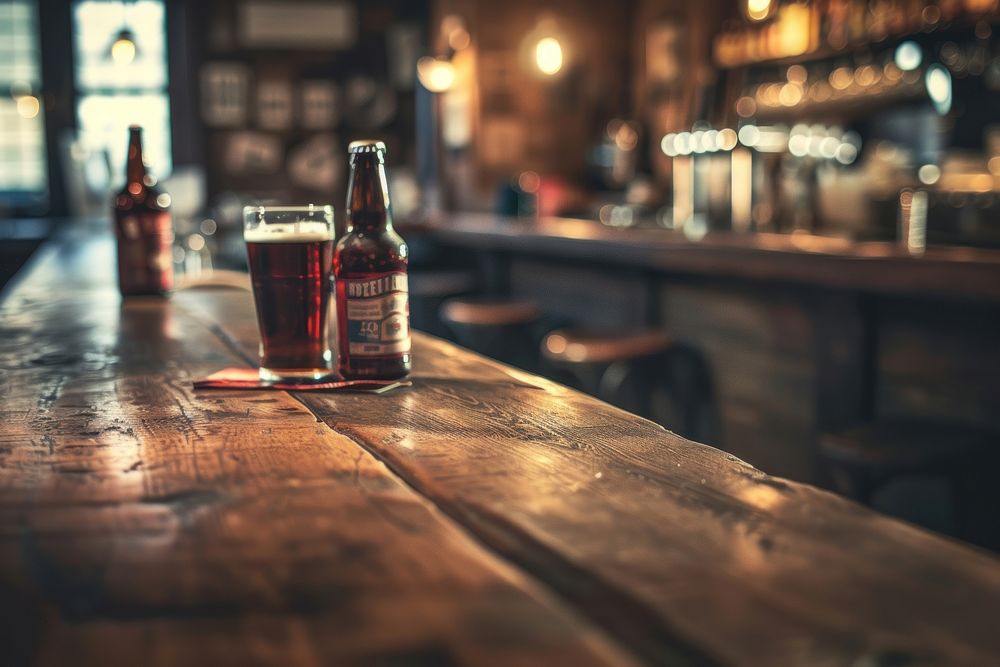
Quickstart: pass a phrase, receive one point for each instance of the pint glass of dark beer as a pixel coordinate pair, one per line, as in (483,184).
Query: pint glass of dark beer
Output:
(290,253)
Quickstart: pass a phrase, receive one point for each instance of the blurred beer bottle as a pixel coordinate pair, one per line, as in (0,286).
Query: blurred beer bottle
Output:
(143,228)
(369,265)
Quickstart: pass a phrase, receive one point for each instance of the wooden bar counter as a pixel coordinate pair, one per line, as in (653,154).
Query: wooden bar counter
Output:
(481,516)
(804,334)
(876,267)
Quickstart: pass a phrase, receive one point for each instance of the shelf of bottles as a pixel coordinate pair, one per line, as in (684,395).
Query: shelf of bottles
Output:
(798,31)
(841,89)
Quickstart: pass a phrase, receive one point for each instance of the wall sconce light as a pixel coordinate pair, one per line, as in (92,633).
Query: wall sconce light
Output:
(436,74)
(549,55)
(124,46)
(544,48)
(758,10)
(123,49)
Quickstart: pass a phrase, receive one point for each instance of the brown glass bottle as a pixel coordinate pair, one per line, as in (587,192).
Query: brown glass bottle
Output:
(369,267)
(143,228)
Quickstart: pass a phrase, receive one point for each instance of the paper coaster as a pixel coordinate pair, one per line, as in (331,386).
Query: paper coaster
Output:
(248,378)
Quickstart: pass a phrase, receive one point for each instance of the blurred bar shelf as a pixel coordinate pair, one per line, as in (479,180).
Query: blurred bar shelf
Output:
(870,266)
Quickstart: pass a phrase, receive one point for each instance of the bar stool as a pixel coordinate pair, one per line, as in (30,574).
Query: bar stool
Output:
(496,327)
(640,371)
(430,289)
(865,460)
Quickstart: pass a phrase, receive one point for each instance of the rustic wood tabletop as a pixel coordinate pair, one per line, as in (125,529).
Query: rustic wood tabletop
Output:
(481,516)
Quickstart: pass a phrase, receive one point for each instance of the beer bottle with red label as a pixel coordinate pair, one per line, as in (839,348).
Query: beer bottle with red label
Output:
(143,228)
(369,265)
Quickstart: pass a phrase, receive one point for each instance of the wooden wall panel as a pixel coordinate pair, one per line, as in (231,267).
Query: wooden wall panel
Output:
(580,295)
(939,361)
(759,345)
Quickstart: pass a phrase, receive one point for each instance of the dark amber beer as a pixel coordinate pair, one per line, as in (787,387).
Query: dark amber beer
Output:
(370,262)
(143,228)
(290,268)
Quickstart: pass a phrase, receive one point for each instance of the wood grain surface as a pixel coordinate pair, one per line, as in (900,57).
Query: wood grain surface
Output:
(482,516)
(678,549)
(141,523)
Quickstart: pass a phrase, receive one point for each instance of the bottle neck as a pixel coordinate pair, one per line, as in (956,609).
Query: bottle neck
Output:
(135,170)
(368,195)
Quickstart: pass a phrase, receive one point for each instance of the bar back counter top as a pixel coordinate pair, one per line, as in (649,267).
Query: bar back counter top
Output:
(870,266)
(804,334)
(481,516)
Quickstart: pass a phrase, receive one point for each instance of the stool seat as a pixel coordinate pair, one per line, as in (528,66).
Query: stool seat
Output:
(594,346)
(489,312)
(905,445)
(891,465)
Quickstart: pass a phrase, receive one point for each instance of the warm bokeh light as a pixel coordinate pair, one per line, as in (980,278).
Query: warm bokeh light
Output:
(841,78)
(123,51)
(529,181)
(453,27)
(459,39)
(796,74)
(436,74)
(727,139)
(867,76)
(746,107)
(549,55)
(556,343)
(794,30)
(28,106)
(790,94)
(626,137)
(758,10)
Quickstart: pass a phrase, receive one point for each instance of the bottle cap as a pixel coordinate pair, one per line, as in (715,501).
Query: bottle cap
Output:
(366,146)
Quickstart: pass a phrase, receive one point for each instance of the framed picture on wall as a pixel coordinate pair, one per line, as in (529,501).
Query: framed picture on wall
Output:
(370,103)
(224,94)
(252,153)
(320,108)
(274,104)
(297,25)
(317,164)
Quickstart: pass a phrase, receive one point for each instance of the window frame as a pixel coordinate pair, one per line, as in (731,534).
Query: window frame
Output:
(23,202)
(161,90)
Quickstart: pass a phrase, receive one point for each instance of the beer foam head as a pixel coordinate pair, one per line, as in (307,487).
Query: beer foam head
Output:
(306,231)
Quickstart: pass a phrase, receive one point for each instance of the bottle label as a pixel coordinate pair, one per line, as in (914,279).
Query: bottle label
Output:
(378,314)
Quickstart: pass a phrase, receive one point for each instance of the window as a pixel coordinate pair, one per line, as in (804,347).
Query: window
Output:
(23,174)
(118,87)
